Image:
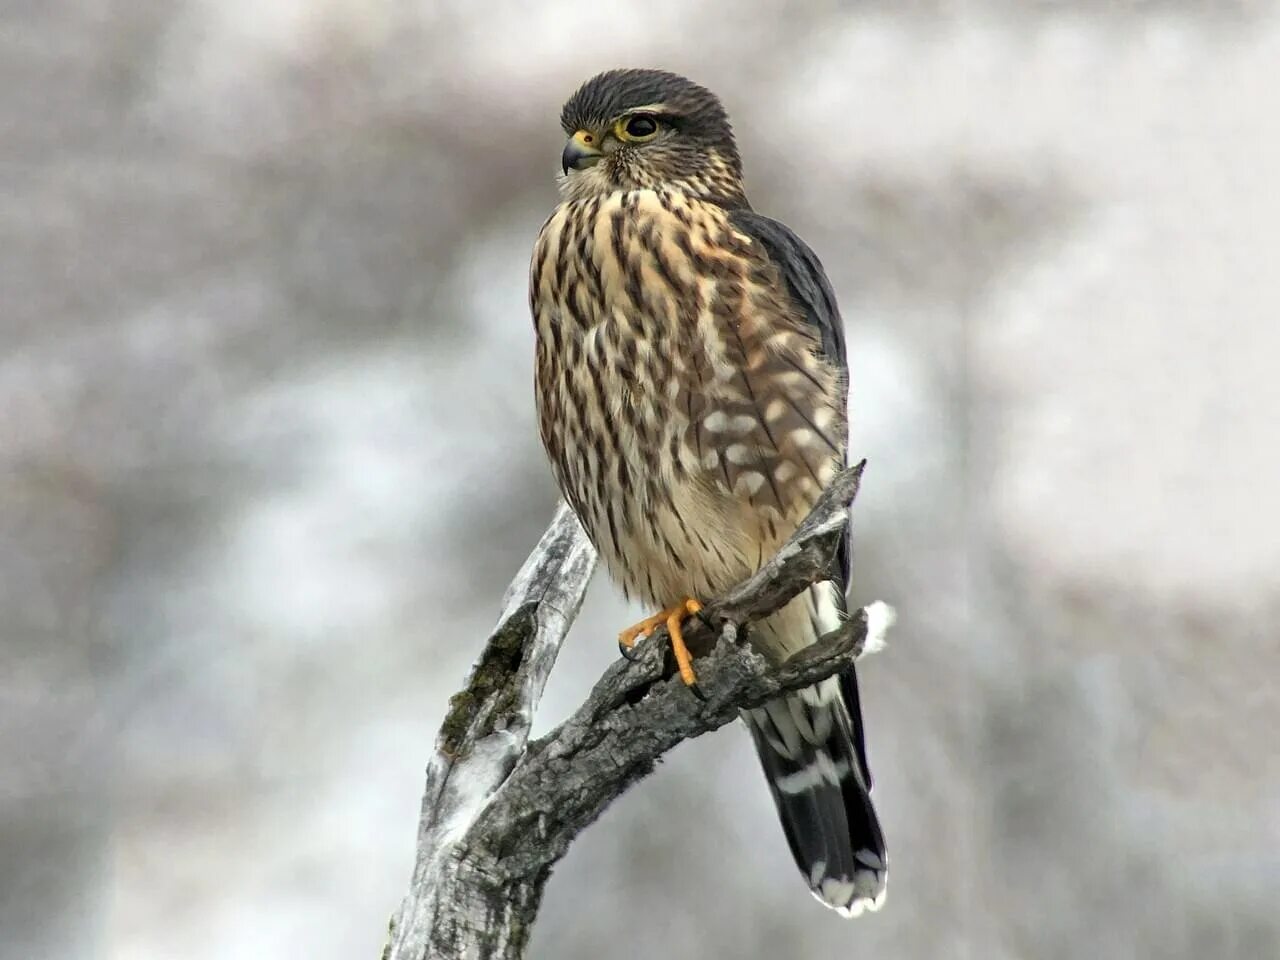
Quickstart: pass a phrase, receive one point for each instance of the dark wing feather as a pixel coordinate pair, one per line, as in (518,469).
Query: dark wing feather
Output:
(811,290)
(803,273)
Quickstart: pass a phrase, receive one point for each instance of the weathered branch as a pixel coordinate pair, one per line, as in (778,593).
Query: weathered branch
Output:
(499,811)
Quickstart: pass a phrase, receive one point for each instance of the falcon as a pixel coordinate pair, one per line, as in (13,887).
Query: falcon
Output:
(691,386)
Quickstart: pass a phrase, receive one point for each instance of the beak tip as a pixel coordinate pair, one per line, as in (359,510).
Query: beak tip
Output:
(576,156)
(570,157)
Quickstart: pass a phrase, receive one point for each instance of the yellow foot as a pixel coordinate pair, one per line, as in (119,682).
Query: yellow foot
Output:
(673,617)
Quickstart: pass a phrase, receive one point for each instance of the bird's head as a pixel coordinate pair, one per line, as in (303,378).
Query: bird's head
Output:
(637,129)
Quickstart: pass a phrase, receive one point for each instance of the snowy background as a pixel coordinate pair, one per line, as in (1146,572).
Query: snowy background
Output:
(268,460)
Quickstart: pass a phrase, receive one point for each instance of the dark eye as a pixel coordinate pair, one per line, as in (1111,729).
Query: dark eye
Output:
(641,126)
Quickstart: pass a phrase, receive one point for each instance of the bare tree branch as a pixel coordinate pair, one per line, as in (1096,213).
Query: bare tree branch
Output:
(499,811)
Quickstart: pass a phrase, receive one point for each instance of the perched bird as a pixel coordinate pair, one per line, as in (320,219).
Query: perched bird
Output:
(691,386)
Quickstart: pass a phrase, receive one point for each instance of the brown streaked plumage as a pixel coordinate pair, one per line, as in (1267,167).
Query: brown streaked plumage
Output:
(691,390)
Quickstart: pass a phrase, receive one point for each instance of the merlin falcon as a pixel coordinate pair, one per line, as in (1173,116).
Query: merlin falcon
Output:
(691,386)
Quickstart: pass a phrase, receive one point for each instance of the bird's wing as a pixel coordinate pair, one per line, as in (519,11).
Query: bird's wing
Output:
(811,290)
(806,280)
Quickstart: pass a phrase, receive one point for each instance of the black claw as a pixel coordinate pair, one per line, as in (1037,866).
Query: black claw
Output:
(705,620)
(628,653)
(697,691)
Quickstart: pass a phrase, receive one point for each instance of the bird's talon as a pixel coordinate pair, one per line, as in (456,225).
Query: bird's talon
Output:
(672,617)
(684,660)
(628,652)
(628,637)
(697,691)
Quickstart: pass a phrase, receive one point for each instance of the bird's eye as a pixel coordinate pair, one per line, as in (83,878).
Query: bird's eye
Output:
(642,126)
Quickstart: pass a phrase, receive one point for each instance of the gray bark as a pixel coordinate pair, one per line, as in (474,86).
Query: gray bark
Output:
(499,811)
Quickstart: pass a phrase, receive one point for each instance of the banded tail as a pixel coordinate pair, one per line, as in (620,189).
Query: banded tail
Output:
(811,747)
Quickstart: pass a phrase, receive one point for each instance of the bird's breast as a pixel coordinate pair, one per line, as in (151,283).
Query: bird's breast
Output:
(618,286)
(680,399)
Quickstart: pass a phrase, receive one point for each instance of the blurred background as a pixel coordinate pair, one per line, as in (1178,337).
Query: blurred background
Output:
(268,460)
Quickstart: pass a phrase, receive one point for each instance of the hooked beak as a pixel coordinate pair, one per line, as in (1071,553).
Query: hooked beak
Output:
(580,152)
